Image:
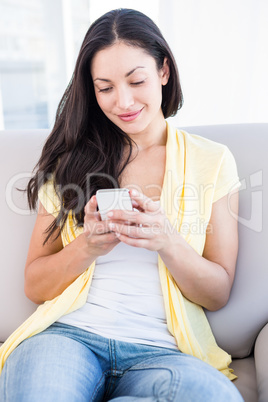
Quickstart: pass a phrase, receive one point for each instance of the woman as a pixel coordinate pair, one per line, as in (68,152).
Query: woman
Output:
(121,299)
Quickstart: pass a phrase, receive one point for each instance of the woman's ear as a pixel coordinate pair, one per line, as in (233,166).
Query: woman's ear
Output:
(165,71)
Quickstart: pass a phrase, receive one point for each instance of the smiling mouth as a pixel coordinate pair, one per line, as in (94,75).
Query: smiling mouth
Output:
(130,116)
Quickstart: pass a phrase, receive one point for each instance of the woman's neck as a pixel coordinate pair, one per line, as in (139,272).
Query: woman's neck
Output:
(154,135)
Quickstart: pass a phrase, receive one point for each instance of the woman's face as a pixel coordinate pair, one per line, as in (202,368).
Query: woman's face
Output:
(128,86)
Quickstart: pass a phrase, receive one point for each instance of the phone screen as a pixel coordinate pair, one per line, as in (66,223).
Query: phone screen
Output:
(116,198)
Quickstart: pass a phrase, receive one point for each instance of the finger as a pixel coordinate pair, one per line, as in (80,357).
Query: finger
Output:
(131,241)
(136,206)
(91,205)
(105,238)
(146,203)
(91,209)
(96,227)
(130,217)
(146,232)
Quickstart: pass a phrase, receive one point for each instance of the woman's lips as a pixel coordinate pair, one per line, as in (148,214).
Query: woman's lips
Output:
(130,116)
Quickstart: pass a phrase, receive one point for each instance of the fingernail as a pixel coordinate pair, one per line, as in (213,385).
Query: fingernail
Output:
(117,234)
(111,225)
(134,192)
(110,214)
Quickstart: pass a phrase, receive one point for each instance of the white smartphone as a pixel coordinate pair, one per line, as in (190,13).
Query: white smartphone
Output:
(114,198)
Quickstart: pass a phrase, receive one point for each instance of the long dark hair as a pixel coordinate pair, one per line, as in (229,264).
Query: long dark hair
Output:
(84,141)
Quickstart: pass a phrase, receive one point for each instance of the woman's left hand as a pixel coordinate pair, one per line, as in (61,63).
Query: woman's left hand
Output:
(148,227)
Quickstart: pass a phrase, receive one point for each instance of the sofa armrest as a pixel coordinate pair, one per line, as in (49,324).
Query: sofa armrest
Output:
(261,363)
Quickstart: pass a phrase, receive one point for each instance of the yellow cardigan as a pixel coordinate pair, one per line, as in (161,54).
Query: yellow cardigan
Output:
(198,172)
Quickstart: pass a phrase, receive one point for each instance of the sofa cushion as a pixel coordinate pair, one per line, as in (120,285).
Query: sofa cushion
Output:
(261,363)
(246,382)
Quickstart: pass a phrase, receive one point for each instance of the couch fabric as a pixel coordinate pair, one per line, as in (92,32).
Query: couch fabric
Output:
(240,327)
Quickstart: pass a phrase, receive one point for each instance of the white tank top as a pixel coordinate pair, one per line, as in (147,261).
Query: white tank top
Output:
(125,300)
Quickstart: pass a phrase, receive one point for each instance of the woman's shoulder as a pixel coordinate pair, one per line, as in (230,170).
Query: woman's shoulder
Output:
(47,195)
(201,155)
(195,142)
(200,143)
(206,153)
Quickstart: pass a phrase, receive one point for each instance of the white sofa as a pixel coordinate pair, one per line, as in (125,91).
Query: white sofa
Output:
(240,327)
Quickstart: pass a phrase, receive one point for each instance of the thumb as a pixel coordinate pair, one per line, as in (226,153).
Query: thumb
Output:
(91,206)
(146,203)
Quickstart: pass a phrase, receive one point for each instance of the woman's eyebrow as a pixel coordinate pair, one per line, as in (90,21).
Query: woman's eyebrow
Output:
(132,71)
(127,74)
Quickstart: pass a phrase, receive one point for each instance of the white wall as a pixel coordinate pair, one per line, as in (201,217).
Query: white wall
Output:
(220,46)
(222,53)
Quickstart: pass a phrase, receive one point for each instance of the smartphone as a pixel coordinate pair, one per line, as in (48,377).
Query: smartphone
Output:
(114,198)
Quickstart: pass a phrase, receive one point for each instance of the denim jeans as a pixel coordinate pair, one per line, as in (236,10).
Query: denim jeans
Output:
(68,364)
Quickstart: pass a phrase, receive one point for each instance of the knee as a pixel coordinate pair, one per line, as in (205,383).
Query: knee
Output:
(201,382)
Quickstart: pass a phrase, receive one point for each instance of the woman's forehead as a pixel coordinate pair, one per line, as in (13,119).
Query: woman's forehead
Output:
(122,58)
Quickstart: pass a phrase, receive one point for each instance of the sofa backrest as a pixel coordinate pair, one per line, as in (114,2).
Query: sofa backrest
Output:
(237,324)
(19,153)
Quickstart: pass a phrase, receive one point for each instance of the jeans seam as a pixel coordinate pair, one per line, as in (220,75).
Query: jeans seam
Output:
(175,382)
(111,352)
(176,385)
(98,386)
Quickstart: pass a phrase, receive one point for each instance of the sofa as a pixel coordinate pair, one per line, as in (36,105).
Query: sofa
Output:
(240,327)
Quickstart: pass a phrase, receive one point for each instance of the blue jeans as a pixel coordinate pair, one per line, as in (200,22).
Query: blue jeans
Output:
(67,364)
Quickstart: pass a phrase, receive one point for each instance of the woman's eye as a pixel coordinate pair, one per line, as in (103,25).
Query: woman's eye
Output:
(105,89)
(138,83)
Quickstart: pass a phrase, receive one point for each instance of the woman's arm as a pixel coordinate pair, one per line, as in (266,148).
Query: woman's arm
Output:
(205,280)
(50,268)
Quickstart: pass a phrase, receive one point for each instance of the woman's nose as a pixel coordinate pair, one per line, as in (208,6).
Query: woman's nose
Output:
(124,98)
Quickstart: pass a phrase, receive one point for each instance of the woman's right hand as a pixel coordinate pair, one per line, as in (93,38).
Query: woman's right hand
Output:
(99,238)
(50,268)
